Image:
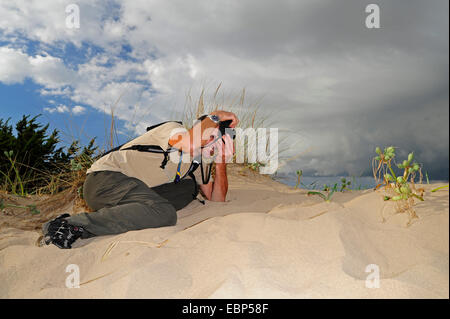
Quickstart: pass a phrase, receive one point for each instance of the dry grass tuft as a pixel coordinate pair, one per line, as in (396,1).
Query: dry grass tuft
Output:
(249,112)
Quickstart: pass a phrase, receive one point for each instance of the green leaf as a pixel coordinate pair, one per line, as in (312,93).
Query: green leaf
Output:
(390,151)
(330,194)
(405,189)
(438,188)
(317,193)
(378,150)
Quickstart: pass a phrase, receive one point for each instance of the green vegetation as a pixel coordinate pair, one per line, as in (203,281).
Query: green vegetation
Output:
(32,208)
(345,184)
(426,175)
(326,195)
(13,167)
(31,162)
(438,188)
(299,175)
(328,191)
(399,183)
(396,185)
(255,166)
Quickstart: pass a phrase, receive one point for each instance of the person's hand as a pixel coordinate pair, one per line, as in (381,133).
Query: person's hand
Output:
(225,149)
(222,150)
(225,116)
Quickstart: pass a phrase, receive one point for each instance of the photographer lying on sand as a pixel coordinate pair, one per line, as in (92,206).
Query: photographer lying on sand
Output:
(135,186)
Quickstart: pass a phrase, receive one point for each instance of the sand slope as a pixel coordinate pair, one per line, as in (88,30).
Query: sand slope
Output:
(268,241)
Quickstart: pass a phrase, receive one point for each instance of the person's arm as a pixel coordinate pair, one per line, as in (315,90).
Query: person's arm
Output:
(220,188)
(217,191)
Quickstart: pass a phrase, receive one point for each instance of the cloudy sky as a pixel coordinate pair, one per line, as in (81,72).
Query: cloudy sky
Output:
(336,89)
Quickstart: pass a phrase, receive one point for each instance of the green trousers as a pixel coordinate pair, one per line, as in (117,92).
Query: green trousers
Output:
(123,203)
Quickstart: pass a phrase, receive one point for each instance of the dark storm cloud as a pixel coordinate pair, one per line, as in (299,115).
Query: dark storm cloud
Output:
(389,86)
(335,88)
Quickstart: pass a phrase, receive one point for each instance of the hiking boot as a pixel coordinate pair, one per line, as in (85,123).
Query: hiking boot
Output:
(60,233)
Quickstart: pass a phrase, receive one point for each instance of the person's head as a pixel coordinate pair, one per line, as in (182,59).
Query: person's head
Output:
(203,133)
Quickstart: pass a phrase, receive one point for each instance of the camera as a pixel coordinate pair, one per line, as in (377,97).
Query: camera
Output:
(224,128)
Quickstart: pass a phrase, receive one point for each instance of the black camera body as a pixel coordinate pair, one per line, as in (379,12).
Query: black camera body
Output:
(224,128)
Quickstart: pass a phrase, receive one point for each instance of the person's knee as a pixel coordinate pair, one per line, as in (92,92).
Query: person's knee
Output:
(178,194)
(166,214)
(172,217)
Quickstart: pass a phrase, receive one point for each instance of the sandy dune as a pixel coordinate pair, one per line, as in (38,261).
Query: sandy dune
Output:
(268,241)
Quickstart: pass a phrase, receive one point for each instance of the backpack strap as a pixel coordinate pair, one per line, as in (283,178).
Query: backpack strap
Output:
(148,148)
(153,149)
(195,164)
(112,150)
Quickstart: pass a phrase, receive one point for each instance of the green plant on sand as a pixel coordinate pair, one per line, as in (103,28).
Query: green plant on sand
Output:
(32,208)
(396,185)
(344,184)
(438,188)
(299,175)
(255,166)
(31,158)
(13,168)
(326,194)
(426,175)
(327,191)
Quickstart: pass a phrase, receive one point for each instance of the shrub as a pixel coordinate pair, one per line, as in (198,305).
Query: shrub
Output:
(31,161)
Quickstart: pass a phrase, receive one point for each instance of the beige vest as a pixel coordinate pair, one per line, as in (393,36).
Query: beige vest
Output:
(145,165)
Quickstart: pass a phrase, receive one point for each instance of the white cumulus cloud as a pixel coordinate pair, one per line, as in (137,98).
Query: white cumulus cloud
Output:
(58,109)
(78,109)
